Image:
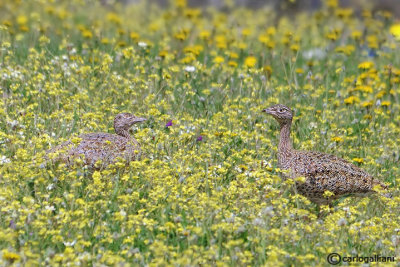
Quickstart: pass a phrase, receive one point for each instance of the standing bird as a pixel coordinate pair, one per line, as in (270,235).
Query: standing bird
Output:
(104,148)
(322,171)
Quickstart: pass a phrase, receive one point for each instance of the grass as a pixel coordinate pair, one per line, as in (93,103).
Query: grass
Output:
(68,67)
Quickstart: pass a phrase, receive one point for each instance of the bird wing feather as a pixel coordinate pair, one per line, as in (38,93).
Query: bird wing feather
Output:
(328,172)
(98,146)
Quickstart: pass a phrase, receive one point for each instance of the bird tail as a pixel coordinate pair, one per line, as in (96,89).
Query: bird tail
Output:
(384,191)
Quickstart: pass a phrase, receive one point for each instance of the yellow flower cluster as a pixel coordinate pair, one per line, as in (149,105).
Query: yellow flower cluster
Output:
(207,191)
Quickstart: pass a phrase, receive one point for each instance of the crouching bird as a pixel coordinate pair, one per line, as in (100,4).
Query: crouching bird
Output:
(97,150)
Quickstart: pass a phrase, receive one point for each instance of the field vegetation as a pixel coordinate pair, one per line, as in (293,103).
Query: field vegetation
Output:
(208,191)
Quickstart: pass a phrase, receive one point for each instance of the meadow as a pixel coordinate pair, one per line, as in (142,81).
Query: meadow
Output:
(208,191)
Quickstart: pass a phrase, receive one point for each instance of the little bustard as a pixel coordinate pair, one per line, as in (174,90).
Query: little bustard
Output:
(322,172)
(103,148)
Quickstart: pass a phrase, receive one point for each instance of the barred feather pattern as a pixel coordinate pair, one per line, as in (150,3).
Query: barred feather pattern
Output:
(97,150)
(323,172)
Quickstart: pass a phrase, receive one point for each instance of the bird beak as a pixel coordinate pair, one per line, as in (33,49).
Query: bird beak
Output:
(136,120)
(267,110)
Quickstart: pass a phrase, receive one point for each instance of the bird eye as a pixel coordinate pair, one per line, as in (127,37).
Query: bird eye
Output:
(281,110)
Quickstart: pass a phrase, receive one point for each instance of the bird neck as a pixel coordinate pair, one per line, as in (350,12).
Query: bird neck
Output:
(122,132)
(285,144)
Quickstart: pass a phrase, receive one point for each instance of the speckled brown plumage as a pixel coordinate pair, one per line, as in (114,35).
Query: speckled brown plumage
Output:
(104,147)
(322,171)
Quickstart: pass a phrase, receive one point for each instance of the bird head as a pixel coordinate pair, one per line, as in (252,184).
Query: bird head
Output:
(123,121)
(280,112)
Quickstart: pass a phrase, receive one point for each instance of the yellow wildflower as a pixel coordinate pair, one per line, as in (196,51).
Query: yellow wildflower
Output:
(205,35)
(395,31)
(87,34)
(332,3)
(10,256)
(328,194)
(219,60)
(232,63)
(337,139)
(134,36)
(365,65)
(22,20)
(250,61)
(351,100)
(299,71)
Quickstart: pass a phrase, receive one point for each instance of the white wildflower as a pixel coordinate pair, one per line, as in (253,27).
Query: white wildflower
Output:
(142,44)
(4,160)
(190,68)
